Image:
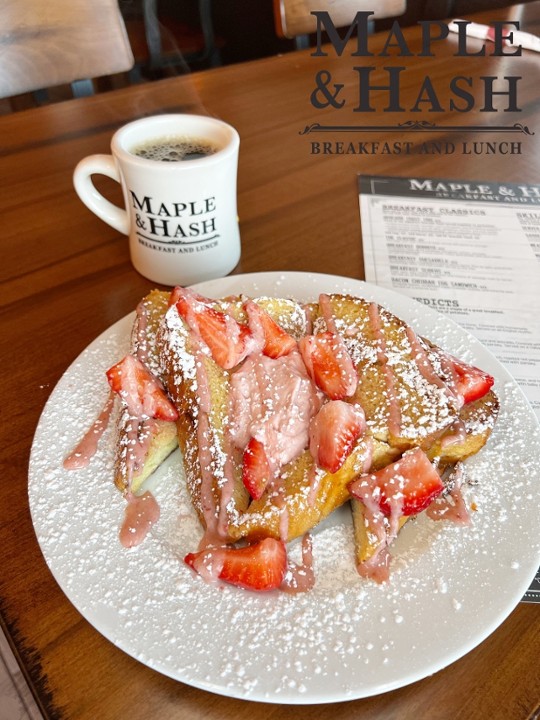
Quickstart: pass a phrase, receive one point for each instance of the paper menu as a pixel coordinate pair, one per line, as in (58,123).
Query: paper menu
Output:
(471,250)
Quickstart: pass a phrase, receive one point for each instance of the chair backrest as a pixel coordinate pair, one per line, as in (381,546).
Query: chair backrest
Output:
(45,43)
(293,17)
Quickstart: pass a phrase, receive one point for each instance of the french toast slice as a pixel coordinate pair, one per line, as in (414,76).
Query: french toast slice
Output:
(200,388)
(142,444)
(307,494)
(374,534)
(407,400)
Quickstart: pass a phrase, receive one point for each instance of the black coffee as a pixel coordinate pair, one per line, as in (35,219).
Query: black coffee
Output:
(174,149)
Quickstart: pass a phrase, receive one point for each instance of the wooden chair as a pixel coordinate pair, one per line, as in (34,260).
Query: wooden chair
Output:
(160,40)
(47,43)
(293,19)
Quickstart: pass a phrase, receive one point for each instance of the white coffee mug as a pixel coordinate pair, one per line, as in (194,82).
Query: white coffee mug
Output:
(181,217)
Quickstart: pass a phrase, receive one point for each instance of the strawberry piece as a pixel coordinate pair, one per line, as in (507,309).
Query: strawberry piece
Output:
(260,566)
(225,338)
(277,342)
(176,295)
(405,487)
(142,392)
(333,433)
(329,364)
(471,382)
(256,473)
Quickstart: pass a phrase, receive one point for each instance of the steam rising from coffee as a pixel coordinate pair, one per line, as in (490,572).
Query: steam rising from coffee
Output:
(186,97)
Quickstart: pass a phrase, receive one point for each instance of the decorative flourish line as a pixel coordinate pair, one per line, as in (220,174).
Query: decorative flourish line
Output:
(417,126)
(177,242)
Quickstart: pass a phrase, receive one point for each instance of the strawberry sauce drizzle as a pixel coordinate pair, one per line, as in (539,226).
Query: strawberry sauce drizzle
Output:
(300,577)
(326,308)
(423,363)
(452,379)
(279,501)
(142,511)
(451,506)
(377,567)
(209,507)
(394,411)
(458,431)
(314,482)
(87,447)
(457,434)
(209,564)
(425,366)
(139,433)
(141,330)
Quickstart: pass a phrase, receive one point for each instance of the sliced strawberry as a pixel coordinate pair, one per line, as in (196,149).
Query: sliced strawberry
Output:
(142,392)
(256,473)
(471,382)
(260,566)
(176,294)
(329,364)
(225,338)
(405,487)
(277,341)
(333,433)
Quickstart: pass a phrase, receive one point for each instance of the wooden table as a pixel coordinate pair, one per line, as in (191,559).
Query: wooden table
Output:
(66,277)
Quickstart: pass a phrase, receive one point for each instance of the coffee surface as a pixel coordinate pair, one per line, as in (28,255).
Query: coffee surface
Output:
(174,149)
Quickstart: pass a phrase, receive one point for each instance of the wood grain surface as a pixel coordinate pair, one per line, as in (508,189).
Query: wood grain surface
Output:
(66,277)
(49,44)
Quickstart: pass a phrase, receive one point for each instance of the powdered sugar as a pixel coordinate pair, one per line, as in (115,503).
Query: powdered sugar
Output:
(347,637)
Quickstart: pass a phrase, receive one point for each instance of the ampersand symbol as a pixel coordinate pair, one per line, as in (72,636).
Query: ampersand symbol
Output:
(508,192)
(139,222)
(322,90)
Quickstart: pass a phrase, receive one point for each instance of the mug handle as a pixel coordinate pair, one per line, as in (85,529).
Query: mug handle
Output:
(82,180)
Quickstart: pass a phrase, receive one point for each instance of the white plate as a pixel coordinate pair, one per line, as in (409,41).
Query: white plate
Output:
(348,638)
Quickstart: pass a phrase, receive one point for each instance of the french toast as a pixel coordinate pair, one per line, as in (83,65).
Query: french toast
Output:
(143,443)
(389,392)
(286,411)
(200,388)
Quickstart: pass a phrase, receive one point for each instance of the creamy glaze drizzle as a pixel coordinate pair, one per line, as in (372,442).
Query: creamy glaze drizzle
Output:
(85,450)
(326,308)
(377,566)
(300,577)
(456,434)
(423,363)
(314,482)
(451,505)
(394,410)
(450,373)
(142,511)
(458,431)
(141,333)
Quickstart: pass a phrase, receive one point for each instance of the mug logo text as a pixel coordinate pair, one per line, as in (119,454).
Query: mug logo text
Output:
(189,222)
